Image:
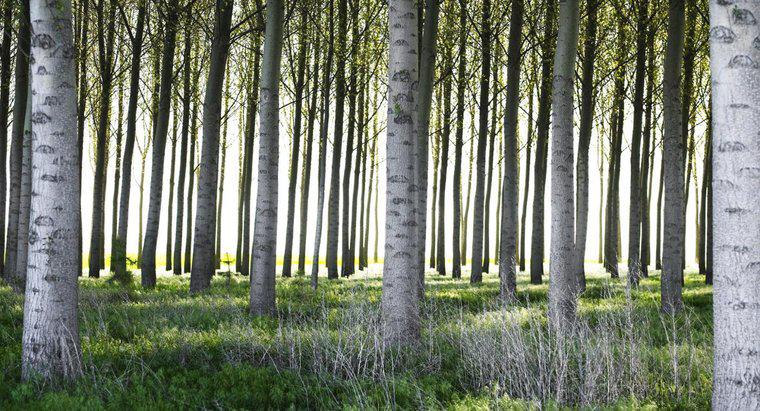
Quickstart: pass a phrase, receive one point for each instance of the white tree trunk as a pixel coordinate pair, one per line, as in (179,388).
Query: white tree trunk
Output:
(50,344)
(265,226)
(400,271)
(735,61)
(563,284)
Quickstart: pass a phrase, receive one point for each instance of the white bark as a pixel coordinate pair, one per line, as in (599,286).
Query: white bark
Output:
(563,285)
(50,344)
(265,226)
(734,62)
(400,271)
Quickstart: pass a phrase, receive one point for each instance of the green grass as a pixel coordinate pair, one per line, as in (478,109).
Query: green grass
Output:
(164,349)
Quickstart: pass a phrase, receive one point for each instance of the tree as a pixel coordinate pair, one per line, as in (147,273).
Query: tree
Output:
(511,189)
(300,84)
(333,201)
(148,261)
(736,227)
(456,269)
(673,238)
(205,219)
(584,141)
(264,260)
(50,342)
(563,287)
(5,91)
(542,146)
(400,313)
(119,253)
(17,140)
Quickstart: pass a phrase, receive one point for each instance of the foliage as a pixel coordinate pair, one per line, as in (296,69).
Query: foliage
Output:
(165,349)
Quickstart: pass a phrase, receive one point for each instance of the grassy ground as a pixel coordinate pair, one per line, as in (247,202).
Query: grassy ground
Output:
(165,349)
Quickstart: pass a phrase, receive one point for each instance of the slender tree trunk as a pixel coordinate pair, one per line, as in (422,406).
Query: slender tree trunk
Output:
(184,136)
(364,123)
(542,146)
(306,175)
(323,131)
(25,198)
(333,202)
(50,342)
(435,153)
(222,169)
(456,265)
(528,146)
(511,189)
(467,202)
(119,253)
(296,147)
(345,218)
(170,206)
(673,238)
(476,275)
(563,288)
(205,221)
(634,223)
(584,135)
(264,262)
(736,227)
(191,173)
(106,33)
(444,160)
(357,168)
(400,313)
(658,240)
(253,105)
(22,84)
(489,179)
(5,90)
(82,94)
(148,261)
(646,160)
(117,172)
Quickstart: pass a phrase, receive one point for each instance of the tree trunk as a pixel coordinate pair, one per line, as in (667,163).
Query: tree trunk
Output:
(50,343)
(5,90)
(191,171)
(117,172)
(148,261)
(170,206)
(634,223)
(528,146)
(22,84)
(253,106)
(456,265)
(584,136)
(333,202)
(511,189)
(296,148)
(306,175)
(264,260)
(82,93)
(357,168)
(489,180)
(25,198)
(222,169)
(735,92)
(563,288)
(400,313)
(542,143)
(647,156)
(205,219)
(444,160)
(119,252)
(106,33)
(184,136)
(673,238)
(476,275)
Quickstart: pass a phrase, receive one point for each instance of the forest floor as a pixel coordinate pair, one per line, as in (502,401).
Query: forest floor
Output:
(165,349)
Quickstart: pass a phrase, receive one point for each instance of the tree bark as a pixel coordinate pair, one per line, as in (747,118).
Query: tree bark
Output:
(5,90)
(205,218)
(333,202)
(734,68)
(673,238)
(476,275)
(588,103)
(444,160)
(542,143)
(148,261)
(253,105)
(184,136)
(400,312)
(50,342)
(647,156)
(119,253)
(264,260)
(300,84)
(456,265)
(306,176)
(563,288)
(22,84)
(511,188)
